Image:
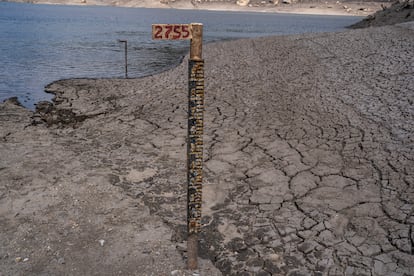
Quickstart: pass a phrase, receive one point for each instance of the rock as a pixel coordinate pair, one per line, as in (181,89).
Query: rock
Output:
(175,273)
(14,101)
(44,107)
(243,3)
(139,176)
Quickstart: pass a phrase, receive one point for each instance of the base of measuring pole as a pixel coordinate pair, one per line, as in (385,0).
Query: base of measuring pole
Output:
(192,251)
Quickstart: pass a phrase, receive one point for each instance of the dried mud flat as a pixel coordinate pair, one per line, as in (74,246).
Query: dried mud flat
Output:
(308,165)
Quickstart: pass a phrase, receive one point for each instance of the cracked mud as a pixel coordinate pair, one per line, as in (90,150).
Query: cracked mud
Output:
(308,162)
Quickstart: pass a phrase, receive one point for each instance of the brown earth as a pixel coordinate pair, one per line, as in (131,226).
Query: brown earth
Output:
(308,165)
(398,12)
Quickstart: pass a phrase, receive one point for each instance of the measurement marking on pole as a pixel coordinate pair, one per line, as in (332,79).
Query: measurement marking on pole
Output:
(195,144)
(194,32)
(171,31)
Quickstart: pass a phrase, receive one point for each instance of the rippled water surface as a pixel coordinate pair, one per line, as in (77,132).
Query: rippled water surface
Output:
(44,43)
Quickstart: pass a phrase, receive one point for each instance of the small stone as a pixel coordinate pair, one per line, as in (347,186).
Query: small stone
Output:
(101,242)
(18,259)
(61,261)
(273,257)
(25,260)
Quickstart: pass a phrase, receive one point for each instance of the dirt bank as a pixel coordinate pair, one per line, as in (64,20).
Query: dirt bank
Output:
(329,7)
(399,12)
(308,165)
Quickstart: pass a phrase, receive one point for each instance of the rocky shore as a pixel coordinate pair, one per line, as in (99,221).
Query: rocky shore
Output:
(309,165)
(327,7)
(400,11)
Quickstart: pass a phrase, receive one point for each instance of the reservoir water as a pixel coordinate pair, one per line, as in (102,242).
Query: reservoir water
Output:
(43,43)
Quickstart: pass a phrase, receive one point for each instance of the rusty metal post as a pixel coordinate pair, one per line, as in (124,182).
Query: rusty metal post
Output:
(126,56)
(195,144)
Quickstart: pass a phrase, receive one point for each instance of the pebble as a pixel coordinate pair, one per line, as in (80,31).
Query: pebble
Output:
(101,242)
(273,257)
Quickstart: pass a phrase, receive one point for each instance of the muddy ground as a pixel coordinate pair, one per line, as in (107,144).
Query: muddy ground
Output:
(400,11)
(308,165)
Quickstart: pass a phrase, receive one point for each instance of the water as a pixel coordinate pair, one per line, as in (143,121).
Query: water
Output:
(43,43)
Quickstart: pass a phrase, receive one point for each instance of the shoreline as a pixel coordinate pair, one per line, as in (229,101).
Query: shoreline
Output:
(31,101)
(316,8)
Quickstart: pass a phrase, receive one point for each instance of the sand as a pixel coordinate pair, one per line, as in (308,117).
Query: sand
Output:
(308,165)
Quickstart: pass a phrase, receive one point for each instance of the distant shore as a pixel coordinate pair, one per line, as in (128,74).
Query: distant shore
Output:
(315,8)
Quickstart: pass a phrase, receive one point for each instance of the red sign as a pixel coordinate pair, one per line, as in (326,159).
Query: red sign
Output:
(171,31)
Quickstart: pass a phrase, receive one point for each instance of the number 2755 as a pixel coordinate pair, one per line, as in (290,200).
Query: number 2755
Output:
(168,31)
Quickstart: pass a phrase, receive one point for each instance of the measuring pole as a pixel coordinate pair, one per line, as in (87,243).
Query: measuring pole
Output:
(193,32)
(195,143)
